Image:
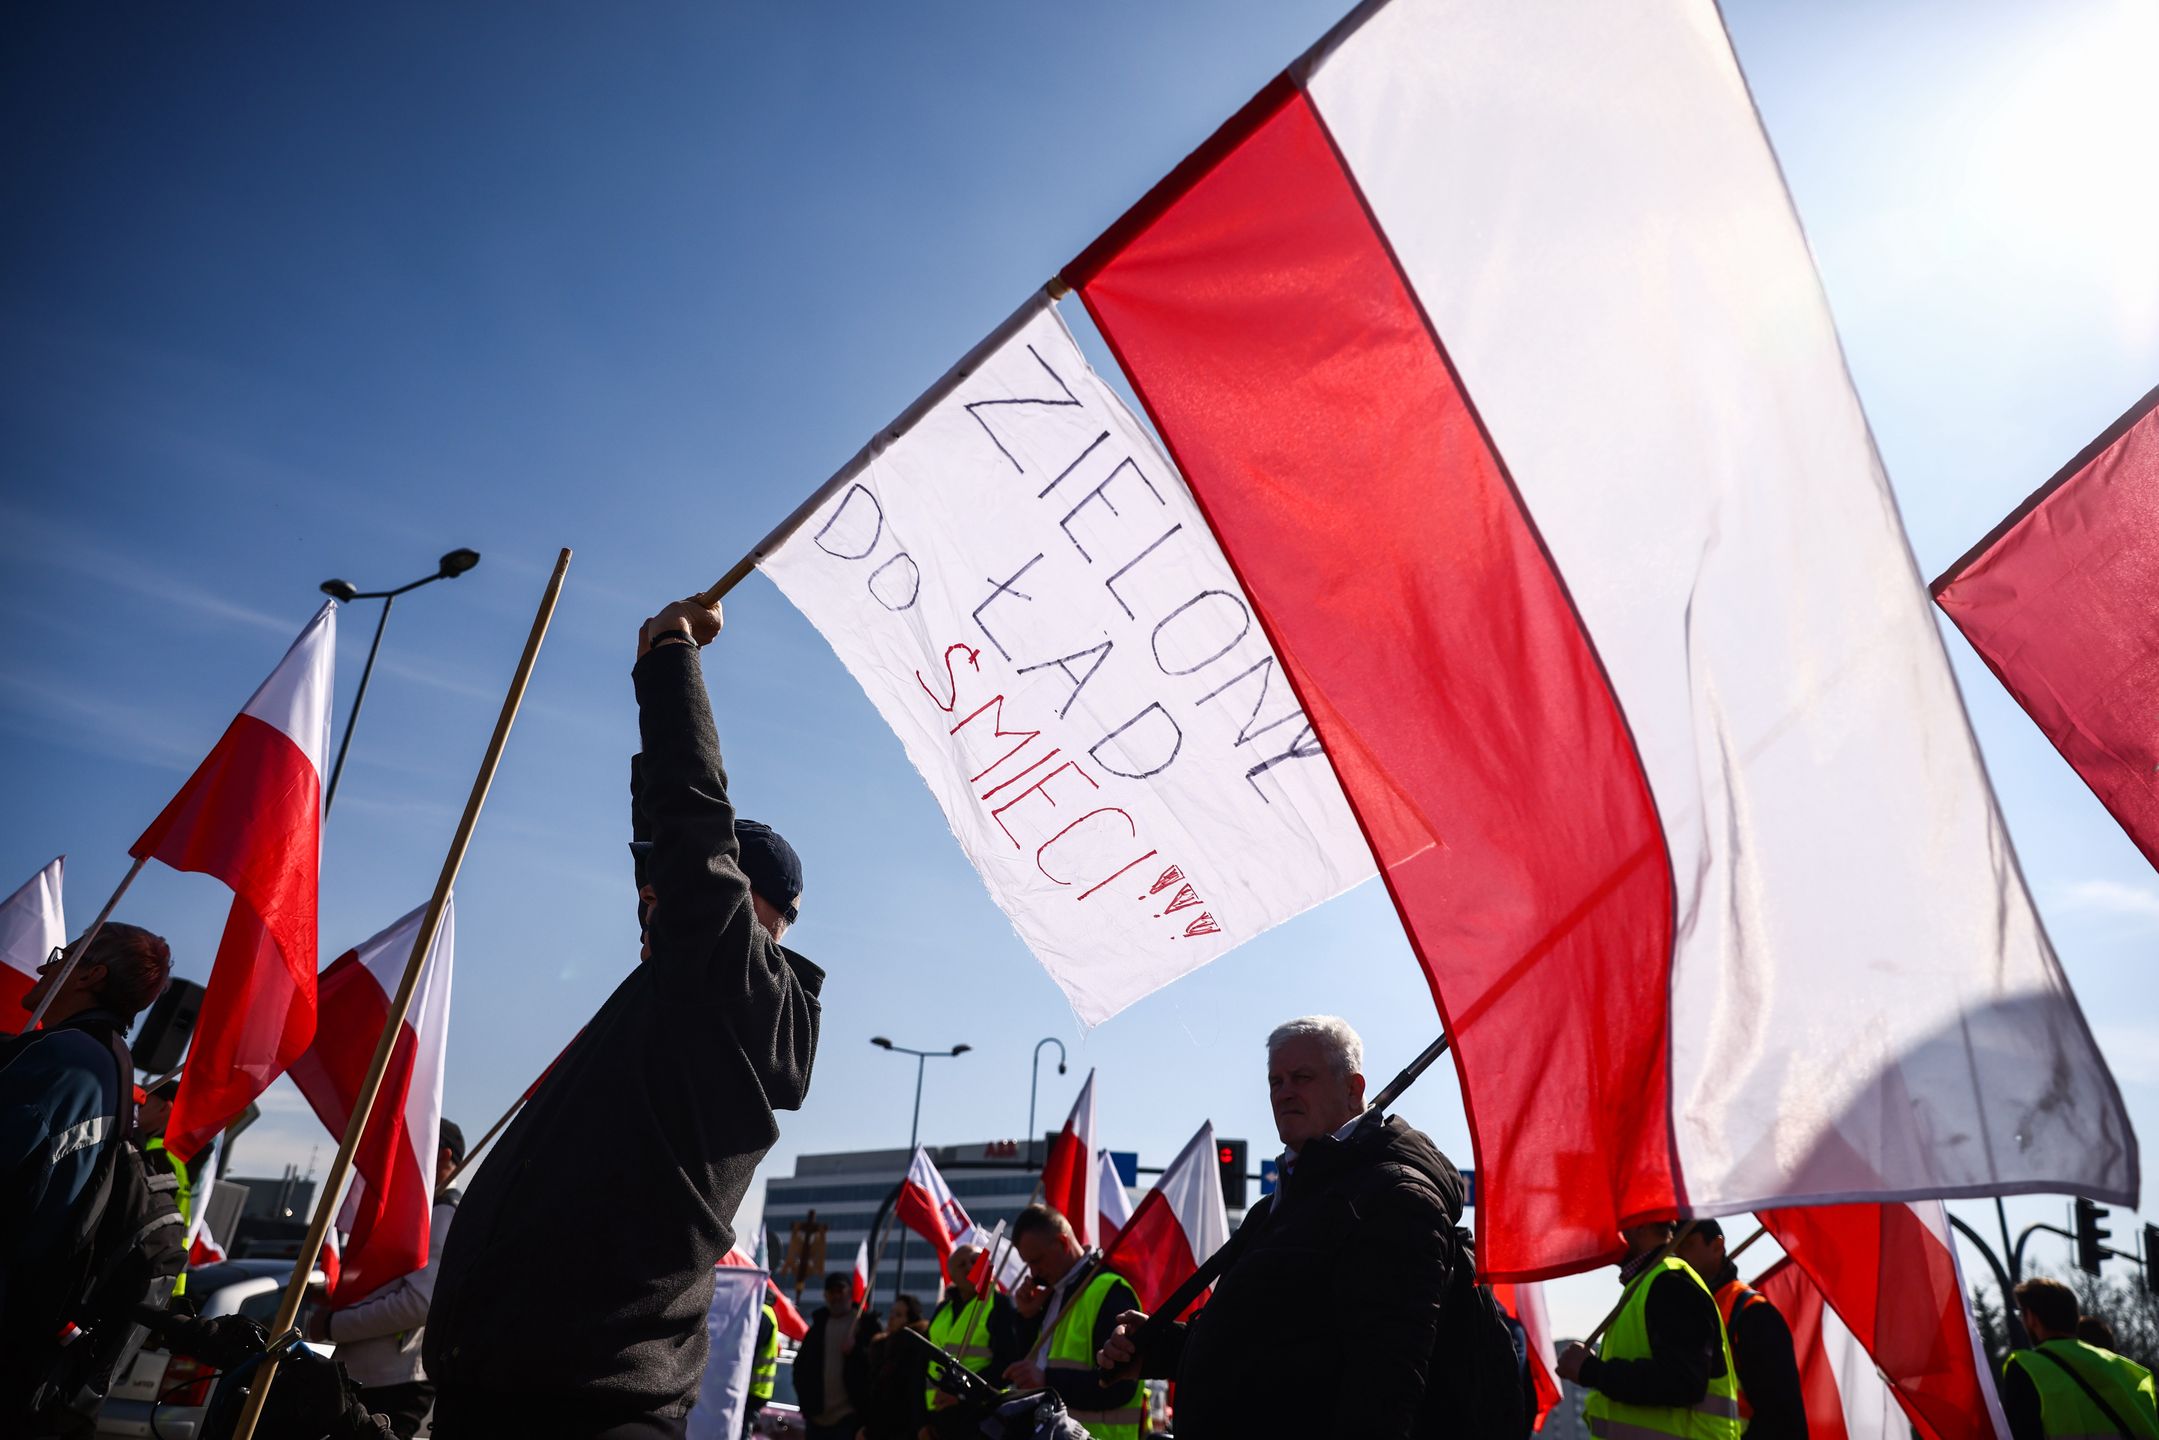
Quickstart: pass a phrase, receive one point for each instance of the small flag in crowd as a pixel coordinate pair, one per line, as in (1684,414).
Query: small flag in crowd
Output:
(2059,601)
(251,815)
(32,926)
(1891,1274)
(1070,1181)
(927,1206)
(860,1286)
(1175,1226)
(389,1207)
(1115,1208)
(1525,1302)
(1391,321)
(791,1321)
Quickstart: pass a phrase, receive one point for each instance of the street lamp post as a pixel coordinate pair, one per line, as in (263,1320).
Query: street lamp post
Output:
(1034,1077)
(452,565)
(914,1133)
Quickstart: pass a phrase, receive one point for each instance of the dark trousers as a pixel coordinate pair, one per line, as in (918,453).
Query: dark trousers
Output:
(405,1405)
(477,1415)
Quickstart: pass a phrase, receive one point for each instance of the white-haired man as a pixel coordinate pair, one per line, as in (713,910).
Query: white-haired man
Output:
(1334,1283)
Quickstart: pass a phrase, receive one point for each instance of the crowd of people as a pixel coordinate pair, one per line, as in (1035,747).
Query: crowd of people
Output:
(1346,1304)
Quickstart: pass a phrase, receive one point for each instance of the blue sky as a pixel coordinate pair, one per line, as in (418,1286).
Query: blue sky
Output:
(293,294)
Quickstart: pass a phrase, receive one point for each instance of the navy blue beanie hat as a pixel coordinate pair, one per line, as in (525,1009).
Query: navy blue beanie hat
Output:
(775,870)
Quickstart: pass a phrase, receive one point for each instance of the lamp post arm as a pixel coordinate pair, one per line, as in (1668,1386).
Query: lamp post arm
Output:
(2011,1322)
(329,794)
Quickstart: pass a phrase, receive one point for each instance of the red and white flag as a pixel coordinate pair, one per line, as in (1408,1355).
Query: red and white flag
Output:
(1175,1226)
(790,1318)
(1487,334)
(1071,1184)
(2058,602)
(387,1210)
(1115,1209)
(1890,1274)
(251,815)
(861,1279)
(31,927)
(1845,1396)
(1525,1302)
(998,1250)
(927,1206)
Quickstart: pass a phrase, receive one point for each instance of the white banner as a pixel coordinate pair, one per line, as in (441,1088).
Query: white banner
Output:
(1027,592)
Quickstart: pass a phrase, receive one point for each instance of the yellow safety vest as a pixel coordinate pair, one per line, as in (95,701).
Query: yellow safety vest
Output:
(2066,1411)
(1714,1417)
(1072,1350)
(964,1330)
(765,1374)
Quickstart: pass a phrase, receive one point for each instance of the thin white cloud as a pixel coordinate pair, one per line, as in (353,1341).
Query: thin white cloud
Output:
(2113,898)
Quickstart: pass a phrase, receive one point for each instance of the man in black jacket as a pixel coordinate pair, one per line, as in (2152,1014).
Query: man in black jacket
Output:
(666,1100)
(1326,1319)
(66,1098)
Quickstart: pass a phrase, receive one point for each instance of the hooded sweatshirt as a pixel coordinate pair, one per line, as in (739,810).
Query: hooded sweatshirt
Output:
(580,1267)
(1326,1319)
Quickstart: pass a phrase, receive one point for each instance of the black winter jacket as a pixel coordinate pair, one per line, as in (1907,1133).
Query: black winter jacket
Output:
(1325,1321)
(858,1372)
(636,1150)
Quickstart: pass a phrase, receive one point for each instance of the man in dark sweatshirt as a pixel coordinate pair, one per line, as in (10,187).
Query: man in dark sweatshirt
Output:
(572,1295)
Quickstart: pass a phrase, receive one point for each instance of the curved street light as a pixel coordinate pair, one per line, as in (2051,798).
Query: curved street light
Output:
(1034,1076)
(344,592)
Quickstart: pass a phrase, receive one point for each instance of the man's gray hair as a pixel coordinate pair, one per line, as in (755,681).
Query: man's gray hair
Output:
(1331,1031)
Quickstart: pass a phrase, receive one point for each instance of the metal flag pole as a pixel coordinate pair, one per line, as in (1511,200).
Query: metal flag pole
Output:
(884,439)
(288,1309)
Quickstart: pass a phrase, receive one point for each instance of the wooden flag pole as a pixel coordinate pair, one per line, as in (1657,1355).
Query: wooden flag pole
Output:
(950,381)
(1759,1232)
(75,951)
(288,1309)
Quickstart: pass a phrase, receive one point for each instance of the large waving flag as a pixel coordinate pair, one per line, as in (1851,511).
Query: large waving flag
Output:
(1176,1225)
(2058,601)
(32,925)
(388,1209)
(1891,1275)
(1487,337)
(1071,1183)
(251,815)
(927,1206)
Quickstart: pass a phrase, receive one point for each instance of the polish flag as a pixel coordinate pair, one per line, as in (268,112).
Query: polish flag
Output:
(1487,334)
(790,1318)
(251,815)
(1071,1185)
(1116,1204)
(31,927)
(992,1243)
(1176,1225)
(2058,602)
(1890,1274)
(387,1211)
(861,1287)
(1845,1396)
(928,1207)
(1525,1302)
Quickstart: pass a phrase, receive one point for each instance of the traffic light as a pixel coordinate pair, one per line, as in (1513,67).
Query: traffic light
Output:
(2151,1258)
(1230,1156)
(2091,1237)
